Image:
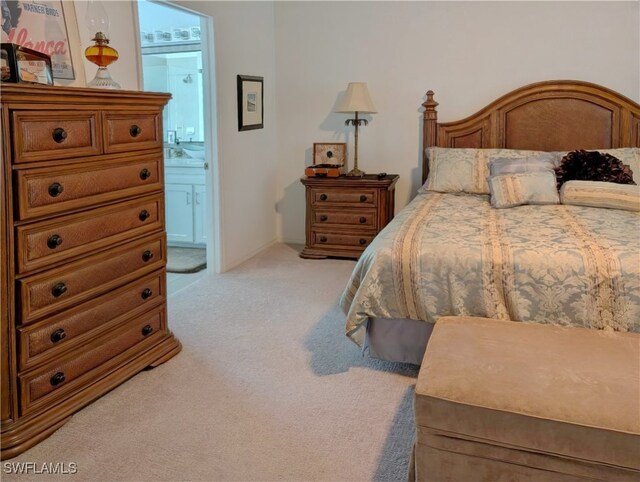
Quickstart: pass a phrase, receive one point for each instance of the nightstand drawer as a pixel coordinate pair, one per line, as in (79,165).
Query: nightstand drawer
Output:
(51,191)
(81,367)
(127,132)
(322,238)
(360,197)
(57,289)
(69,329)
(365,218)
(47,242)
(48,135)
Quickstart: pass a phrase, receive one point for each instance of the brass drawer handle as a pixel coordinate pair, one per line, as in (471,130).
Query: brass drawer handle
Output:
(57,379)
(54,241)
(323,239)
(144,215)
(135,131)
(56,189)
(323,218)
(58,335)
(363,220)
(363,198)
(59,135)
(58,290)
(363,241)
(146,294)
(146,330)
(146,256)
(145,174)
(323,197)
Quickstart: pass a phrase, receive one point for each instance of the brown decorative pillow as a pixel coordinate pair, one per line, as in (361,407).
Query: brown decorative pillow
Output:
(592,166)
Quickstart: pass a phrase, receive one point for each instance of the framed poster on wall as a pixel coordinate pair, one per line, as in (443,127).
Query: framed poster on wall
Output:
(250,105)
(39,25)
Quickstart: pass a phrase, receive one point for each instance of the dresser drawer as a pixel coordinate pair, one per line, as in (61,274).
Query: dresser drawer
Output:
(365,218)
(322,238)
(126,132)
(47,135)
(60,333)
(54,190)
(329,196)
(57,289)
(81,367)
(47,242)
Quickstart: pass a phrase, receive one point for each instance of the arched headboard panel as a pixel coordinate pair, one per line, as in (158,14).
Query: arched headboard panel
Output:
(557,115)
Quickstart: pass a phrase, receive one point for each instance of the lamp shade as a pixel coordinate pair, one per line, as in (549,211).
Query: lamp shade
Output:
(357,99)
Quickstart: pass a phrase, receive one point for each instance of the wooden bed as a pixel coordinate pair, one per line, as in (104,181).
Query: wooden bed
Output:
(556,115)
(560,115)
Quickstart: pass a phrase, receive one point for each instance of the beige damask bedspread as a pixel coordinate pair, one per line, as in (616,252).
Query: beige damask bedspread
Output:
(448,254)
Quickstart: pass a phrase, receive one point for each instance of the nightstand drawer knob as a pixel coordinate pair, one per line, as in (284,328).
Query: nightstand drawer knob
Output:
(54,241)
(146,256)
(58,335)
(59,135)
(363,241)
(58,290)
(323,218)
(57,379)
(323,239)
(363,220)
(146,294)
(363,198)
(56,189)
(323,197)
(135,131)
(146,330)
(144,215)
(145,174)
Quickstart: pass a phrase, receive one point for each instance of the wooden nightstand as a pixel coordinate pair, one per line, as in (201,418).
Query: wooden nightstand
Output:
(344,214)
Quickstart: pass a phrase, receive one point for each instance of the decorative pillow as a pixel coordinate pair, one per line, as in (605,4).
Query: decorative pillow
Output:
(465,170)
(543,162)
(592,166)
(629,156)
(601,195)
(508,190)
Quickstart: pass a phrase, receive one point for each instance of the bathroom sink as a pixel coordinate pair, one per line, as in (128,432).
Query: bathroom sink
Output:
(195,151)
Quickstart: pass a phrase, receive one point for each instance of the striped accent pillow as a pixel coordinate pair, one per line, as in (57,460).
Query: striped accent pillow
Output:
(509,190)
(500,165)
(601,195)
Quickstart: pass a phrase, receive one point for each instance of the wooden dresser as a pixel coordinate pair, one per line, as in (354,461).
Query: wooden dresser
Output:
(82,292)
(344,214)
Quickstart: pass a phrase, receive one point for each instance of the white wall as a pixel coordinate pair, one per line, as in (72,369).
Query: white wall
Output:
(244,44)
(469,53)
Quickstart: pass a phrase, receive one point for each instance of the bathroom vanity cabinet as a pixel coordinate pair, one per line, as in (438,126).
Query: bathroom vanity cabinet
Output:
(185,204)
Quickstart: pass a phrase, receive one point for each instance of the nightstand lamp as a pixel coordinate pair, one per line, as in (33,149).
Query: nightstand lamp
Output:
(356,100)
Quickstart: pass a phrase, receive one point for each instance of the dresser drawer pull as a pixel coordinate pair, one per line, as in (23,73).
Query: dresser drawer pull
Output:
(54,241)
(135,131)
(59,134)
(323,197)
(146,294)
(145,174)
(56,189)
(363,220)
(146,330)
(57,379)
(144,215)
(146,256)
(323,218)
(363,241)
(58,290)
(58,335)
(363,198)
(323,239)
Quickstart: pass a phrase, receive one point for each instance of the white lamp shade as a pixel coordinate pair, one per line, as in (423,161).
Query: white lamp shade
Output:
(356,99)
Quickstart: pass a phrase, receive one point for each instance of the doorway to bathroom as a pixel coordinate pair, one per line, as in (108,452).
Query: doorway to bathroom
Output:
(174,58)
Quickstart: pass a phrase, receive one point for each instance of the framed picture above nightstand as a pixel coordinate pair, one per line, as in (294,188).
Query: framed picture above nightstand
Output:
(344,214)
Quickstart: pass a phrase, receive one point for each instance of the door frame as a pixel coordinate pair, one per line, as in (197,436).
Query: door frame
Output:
(213,174)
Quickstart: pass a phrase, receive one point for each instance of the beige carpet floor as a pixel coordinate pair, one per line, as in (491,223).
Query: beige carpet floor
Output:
(267,387)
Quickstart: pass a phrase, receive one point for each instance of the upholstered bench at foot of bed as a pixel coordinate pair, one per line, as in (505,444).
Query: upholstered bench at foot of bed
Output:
(507,401)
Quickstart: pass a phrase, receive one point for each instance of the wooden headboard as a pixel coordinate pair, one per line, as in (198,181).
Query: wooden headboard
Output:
(557,115)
